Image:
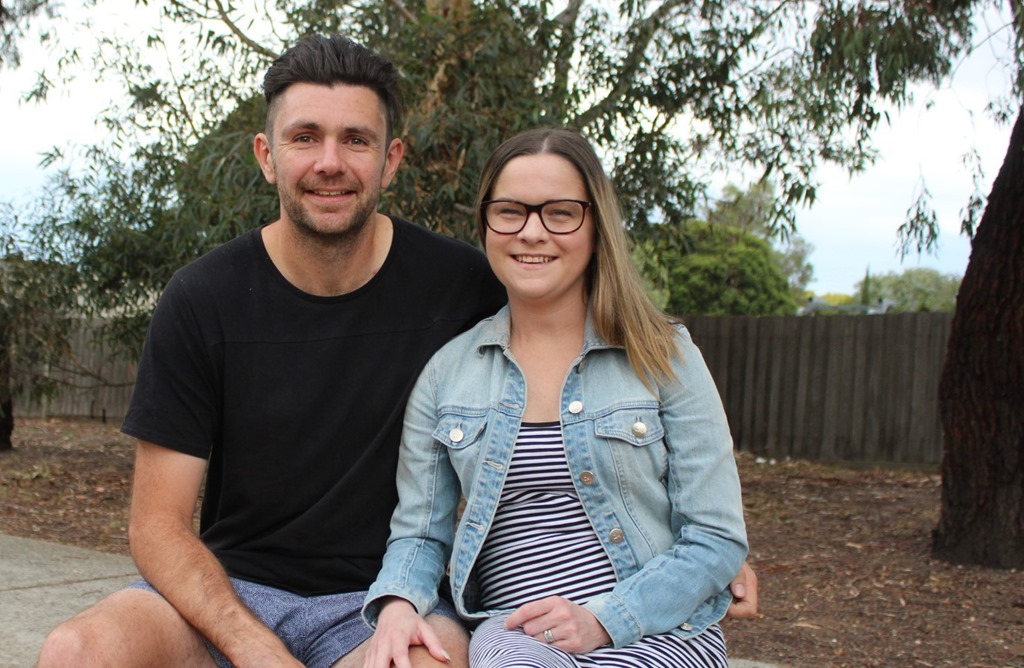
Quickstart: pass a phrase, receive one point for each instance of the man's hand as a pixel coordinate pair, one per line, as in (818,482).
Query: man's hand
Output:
(744,592)
(264,652)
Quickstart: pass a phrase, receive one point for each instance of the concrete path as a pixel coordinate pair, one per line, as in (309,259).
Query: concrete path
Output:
(42,584)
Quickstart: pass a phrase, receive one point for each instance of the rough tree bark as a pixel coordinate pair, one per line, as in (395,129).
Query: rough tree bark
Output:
(6,401)
(6,424)
(981,394)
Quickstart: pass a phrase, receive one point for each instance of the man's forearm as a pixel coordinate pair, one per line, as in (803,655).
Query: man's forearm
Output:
(173,559)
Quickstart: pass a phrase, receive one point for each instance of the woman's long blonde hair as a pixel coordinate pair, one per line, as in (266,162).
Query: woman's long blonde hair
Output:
(623,313)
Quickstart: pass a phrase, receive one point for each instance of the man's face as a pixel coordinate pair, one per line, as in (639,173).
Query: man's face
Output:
(329,156)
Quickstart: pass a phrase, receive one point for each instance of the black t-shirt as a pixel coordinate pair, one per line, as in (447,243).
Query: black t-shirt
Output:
(298,400)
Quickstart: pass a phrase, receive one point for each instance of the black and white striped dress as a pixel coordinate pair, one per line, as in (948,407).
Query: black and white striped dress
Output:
(541,544)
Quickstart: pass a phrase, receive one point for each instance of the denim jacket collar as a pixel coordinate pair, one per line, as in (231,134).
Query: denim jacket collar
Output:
(496,330)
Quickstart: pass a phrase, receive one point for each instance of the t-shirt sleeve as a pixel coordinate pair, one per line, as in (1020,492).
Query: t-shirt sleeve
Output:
(175,400)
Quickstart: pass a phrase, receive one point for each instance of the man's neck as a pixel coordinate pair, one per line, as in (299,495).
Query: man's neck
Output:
(326,268)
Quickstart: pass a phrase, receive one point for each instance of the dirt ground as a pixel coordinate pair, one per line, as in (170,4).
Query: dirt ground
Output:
(846,578)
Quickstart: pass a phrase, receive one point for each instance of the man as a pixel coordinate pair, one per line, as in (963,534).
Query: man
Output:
(279,365)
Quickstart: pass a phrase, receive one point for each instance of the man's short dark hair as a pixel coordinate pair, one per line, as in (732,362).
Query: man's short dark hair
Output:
(330,60)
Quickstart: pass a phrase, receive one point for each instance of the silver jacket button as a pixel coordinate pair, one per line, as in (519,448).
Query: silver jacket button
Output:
(616,536)
(639,429)
(576,407)
(456,435)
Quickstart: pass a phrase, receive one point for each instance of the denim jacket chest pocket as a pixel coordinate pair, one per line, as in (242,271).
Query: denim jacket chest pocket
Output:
(457,431)
(636,439)
(463,436)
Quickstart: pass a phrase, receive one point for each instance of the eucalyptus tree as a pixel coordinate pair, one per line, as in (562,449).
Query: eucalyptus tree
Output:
(981,393)
(16,16)
(672,92)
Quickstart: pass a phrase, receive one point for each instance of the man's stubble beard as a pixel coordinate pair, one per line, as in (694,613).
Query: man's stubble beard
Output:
(305,224)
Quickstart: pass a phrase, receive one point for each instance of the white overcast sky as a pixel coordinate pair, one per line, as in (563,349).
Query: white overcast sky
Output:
(852,226)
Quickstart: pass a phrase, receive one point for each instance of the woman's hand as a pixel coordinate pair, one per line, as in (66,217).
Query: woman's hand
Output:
(744,593)
(560,622)
(399,627)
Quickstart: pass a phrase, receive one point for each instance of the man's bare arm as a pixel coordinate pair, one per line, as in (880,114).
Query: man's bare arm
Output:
(171,557)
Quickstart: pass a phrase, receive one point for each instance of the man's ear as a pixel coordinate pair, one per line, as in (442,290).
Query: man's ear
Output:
(264,156)
(396,149)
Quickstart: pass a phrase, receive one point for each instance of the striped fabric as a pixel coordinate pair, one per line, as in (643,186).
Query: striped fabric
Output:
(541,544)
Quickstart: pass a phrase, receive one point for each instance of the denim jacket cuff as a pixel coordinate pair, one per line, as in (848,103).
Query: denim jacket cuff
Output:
(618,620)
(372,604)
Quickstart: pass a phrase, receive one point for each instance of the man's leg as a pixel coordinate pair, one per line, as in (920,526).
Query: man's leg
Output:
(132,627)
(452,635)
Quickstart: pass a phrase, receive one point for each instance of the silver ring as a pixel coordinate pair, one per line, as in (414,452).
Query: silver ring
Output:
(549,637)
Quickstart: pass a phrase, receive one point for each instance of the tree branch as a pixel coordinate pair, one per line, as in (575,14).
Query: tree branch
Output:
(237,32)
(403,10)
(645,31)
(563,59)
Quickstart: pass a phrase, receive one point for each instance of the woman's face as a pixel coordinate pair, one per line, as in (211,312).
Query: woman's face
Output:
(535,265)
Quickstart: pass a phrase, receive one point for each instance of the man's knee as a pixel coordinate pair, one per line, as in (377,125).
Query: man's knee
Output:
(128,628)
(453,637)
(419,657)
(74,643)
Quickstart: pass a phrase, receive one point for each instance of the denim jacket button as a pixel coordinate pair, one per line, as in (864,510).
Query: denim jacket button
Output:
(639,429)
(616,535)
(588,477)
(456,435)
(576,407)
(687,627)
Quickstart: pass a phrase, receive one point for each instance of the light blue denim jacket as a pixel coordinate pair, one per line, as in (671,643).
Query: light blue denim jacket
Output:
(655,472)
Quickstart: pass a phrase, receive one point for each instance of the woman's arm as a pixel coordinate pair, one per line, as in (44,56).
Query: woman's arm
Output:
(706,513)
(423,524)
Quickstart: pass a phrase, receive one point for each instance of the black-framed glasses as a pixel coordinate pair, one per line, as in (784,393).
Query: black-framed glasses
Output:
(558,216)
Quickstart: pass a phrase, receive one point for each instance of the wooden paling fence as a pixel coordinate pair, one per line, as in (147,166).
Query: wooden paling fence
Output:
(830,388)
(94,384)
(860,388)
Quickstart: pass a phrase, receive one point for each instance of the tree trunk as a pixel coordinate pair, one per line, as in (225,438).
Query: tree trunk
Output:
(6,424)
(981,394)
(6,401)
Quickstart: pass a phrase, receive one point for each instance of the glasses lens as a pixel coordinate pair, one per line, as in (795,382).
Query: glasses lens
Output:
(562,215)
(505,217)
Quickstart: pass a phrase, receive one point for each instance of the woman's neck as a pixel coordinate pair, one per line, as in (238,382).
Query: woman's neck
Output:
(544,343)
(534,325)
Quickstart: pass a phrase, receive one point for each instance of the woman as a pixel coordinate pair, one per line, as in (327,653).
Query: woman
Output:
(603,519)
